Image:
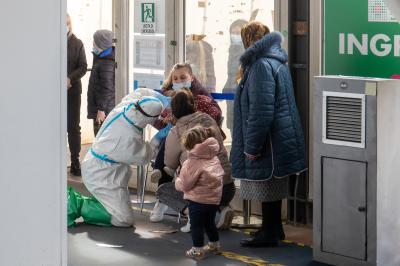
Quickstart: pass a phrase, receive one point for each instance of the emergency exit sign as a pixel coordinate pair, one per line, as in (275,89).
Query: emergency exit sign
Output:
(148,18)
(361,39)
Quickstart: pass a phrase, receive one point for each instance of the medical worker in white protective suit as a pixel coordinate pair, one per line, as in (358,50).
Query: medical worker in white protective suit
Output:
(119,143)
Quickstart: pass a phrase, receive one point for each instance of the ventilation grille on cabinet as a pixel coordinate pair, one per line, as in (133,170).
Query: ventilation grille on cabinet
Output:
(344,119)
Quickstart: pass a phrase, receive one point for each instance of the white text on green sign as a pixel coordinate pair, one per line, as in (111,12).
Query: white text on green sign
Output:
(378,44)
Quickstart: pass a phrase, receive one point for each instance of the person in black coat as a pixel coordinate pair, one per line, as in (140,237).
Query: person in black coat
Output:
(101,92)
(77,68)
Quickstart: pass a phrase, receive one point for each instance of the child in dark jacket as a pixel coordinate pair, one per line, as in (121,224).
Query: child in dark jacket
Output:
(101,91)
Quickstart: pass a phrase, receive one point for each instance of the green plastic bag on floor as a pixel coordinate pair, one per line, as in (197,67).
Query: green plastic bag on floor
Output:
(74,206)
(91,210)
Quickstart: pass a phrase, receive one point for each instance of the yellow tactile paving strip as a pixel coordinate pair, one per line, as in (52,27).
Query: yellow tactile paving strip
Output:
(238,257)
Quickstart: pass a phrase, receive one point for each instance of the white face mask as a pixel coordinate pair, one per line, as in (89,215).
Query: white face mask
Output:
(180,85)
(236,39)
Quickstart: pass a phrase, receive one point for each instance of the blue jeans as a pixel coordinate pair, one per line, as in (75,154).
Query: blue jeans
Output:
(202,218)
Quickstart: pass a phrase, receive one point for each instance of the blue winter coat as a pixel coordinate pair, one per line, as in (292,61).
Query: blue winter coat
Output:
(266,120)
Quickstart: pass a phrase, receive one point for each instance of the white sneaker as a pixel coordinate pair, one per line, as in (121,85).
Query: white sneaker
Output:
(225,219)
(155,176)
(157,215)
(186,227)
(213,247)
(195,253)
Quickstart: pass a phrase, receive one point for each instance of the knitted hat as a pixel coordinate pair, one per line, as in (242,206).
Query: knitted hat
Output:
(103,39)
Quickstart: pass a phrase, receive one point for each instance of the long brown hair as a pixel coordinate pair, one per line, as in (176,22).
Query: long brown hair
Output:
(251,33)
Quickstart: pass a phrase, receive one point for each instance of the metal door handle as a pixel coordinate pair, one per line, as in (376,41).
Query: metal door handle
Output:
(362,209)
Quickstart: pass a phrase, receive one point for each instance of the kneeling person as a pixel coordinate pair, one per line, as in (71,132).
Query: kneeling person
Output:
(106,168)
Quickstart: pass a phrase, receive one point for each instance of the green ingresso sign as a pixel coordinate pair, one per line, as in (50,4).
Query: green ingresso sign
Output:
(361,39)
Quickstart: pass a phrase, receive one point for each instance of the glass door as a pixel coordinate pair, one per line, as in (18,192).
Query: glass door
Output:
(148,43)
(214,46)
(87,16)
(152,44)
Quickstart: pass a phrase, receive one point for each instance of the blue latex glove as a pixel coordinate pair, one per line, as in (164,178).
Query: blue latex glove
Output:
(163,133)
(166,101)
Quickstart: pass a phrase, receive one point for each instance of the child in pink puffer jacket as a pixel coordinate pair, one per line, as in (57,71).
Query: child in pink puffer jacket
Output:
(200,180)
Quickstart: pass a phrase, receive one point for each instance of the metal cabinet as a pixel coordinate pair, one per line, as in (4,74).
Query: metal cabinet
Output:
(356,170)
(344,187)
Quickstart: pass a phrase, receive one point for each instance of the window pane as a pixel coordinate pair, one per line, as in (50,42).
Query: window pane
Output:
(213,42)
(87,16)
(149,43)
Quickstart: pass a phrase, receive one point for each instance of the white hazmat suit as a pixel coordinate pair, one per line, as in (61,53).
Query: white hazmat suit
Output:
(119,143)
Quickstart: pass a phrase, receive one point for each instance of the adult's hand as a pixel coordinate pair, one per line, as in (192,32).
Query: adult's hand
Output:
(69,83)
(101,116)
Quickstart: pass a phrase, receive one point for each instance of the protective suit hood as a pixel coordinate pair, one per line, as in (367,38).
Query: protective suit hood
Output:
(144,111)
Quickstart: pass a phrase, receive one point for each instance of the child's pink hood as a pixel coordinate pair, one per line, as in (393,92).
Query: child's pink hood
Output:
(201,175)
(206,150)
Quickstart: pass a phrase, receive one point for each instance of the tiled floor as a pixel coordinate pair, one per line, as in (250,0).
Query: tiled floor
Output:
(156,244)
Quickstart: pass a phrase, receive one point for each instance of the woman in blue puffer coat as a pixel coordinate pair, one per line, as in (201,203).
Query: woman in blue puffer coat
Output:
(267,139)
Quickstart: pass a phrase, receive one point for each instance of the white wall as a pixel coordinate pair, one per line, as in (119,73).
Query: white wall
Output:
(33,133)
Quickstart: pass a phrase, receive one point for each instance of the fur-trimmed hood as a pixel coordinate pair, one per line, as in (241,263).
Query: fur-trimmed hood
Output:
(269,46)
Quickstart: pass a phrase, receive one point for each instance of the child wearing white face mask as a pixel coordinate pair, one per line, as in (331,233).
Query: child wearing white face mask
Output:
(101,90)
(181,76)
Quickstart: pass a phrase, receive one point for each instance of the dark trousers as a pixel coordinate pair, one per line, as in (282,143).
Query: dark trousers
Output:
(202,219)
(228,193)
(271,219)
(73,127)
(96,127)
(168,195)
(159,164)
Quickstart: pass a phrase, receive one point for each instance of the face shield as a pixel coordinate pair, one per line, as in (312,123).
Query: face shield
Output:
(149,108)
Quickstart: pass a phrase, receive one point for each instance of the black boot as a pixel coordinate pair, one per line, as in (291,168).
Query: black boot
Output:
(261,239)
(279,229)
(75,169)
(267,236)
(281,232)
(278,220)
